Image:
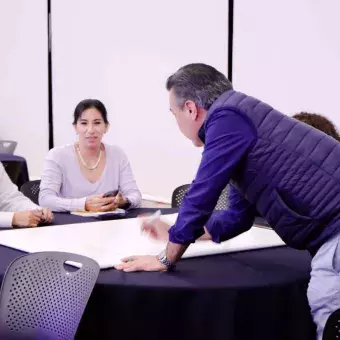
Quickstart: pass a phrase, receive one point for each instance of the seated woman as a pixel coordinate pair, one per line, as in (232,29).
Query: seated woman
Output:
(76,176)
(17,210)
(318,122)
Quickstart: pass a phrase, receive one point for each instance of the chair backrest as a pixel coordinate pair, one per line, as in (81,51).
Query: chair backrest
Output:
(31,190)
(178,195)
(43,297)
(8,146)
(13,169)
(23,174)
(332,327)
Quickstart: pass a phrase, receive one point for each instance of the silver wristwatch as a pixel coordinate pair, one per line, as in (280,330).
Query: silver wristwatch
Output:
(164,260)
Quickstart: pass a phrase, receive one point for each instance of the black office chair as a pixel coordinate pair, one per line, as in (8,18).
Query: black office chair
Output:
(31,190)
(43,297)
(13,169)
(178,195)
(332,328)
(8,146)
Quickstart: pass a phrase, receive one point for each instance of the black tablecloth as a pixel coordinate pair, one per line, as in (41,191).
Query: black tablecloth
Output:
(23,176)
(67,218)
(257,294)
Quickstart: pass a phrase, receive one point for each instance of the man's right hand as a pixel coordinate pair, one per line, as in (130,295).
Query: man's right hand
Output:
(156,229)
(30,218)
(159,230)
(98,203)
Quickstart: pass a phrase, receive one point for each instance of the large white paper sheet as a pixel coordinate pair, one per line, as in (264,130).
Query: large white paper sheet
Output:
(109,241)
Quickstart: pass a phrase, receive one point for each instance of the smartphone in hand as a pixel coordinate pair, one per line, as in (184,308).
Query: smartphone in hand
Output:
(111,193)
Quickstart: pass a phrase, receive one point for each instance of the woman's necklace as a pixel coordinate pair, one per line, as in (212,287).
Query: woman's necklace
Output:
(82,159)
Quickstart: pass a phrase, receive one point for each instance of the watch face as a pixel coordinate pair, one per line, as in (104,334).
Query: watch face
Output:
(164,261)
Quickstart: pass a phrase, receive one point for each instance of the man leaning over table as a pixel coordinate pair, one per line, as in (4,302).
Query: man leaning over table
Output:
(286,170)
(16,209)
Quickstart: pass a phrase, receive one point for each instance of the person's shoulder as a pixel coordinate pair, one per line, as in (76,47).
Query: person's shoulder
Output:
(60,152)
(229,118)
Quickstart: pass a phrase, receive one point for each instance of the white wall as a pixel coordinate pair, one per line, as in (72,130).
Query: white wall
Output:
(288,54)
(122,53)
(23,79)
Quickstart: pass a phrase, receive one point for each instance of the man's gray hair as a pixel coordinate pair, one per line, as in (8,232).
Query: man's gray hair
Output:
(201,83)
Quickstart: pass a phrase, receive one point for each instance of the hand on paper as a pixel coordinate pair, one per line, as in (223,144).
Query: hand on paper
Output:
(146,263)
(151,263)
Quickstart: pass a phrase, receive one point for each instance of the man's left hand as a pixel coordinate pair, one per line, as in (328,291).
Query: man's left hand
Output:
(141,263)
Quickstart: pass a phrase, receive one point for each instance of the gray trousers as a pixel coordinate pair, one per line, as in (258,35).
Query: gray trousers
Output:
(324,286)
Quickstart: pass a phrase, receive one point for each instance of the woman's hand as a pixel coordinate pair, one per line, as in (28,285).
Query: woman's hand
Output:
(121,201)
(98,203)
